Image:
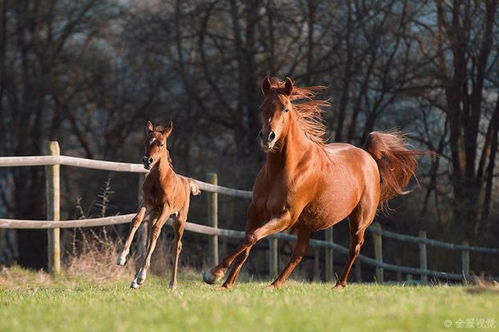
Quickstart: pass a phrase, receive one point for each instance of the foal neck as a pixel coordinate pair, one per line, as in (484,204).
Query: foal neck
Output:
(163,167)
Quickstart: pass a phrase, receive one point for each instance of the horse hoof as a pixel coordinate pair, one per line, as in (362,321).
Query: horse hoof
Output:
(121,261)
(209,278)
(270,287)
(339,287)
(172,286)
(134,285)
(221,288)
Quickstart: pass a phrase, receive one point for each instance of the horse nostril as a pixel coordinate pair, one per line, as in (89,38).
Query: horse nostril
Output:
(149,160)
(271,136)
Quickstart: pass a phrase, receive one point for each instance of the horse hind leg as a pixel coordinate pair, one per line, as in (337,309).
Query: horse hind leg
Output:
(359,220)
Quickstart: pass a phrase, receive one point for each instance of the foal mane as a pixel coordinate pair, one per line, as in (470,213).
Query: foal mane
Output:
(308,110)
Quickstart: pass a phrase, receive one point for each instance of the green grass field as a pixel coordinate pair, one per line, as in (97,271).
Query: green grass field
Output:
(32,301)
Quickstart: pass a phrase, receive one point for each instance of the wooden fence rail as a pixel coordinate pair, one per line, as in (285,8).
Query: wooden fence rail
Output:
(52,163)
(211,231)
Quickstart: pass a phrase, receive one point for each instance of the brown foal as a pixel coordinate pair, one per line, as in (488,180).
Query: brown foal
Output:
(165,193)
(309,185)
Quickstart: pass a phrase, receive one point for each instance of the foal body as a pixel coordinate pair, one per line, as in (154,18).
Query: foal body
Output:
(308,185)
(165,193)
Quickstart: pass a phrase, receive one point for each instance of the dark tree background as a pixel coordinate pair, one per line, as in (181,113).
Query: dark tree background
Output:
(89,73)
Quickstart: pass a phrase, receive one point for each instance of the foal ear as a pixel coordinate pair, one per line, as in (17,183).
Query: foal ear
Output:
(168,130)
(266,84)
(288,87)
(149,127)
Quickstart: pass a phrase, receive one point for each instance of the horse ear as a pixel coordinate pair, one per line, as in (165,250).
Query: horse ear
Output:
(288,87)
(149,127)
(266,84)
(168,130)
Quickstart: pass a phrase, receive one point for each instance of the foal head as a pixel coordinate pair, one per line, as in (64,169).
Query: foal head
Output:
(155,143)
(275,112)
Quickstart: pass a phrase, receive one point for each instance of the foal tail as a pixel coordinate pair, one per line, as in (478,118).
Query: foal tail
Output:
(396,163)
(194,188)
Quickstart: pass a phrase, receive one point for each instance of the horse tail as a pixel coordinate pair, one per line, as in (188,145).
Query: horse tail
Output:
(194,188)
(396,163)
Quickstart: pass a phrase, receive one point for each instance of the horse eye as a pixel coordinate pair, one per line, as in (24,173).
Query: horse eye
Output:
(161,145)
(285,109)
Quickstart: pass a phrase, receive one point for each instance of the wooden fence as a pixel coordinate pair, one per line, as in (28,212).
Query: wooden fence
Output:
(53,161)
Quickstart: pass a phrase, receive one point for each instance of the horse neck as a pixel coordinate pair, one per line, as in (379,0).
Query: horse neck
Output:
(293,147)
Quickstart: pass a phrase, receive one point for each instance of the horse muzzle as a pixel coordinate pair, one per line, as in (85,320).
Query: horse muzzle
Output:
(267,141)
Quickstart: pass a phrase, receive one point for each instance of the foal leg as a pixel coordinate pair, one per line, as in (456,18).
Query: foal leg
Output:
(153,238)
(299,251)
(359,220)
(178,228)
(136,222)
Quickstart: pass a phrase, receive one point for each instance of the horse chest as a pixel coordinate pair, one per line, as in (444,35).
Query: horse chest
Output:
(277,199)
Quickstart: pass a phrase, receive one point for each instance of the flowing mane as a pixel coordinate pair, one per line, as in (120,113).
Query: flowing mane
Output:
(308,109)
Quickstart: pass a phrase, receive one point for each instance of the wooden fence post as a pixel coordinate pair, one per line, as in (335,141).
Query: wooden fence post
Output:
(465,261)
(329,256)
(358,271)
(213,217)
(273,257)
(143,229)
(378,251)
(423,260)
(398,273)
(317,269)
(52,175)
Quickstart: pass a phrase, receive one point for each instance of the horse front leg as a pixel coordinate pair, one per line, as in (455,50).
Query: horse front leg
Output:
(218,272)
(154,233)
(136,222)
(275,225)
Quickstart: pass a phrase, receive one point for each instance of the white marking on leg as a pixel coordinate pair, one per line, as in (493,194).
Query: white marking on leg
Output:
(141,277)
(121,260)
(134,284)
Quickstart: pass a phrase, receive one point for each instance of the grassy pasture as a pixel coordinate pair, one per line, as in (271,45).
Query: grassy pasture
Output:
(33,301)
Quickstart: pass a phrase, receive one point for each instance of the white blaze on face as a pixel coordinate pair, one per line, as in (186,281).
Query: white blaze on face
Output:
(152,140)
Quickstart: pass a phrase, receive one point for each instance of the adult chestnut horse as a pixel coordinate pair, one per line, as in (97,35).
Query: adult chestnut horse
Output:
(309,185)
(165,193)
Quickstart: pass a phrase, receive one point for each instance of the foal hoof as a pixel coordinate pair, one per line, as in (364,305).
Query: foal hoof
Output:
(121,260)
(141,278)
(134,284)
(209,278)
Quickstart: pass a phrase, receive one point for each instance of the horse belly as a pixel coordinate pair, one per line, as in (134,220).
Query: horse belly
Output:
(329,209)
